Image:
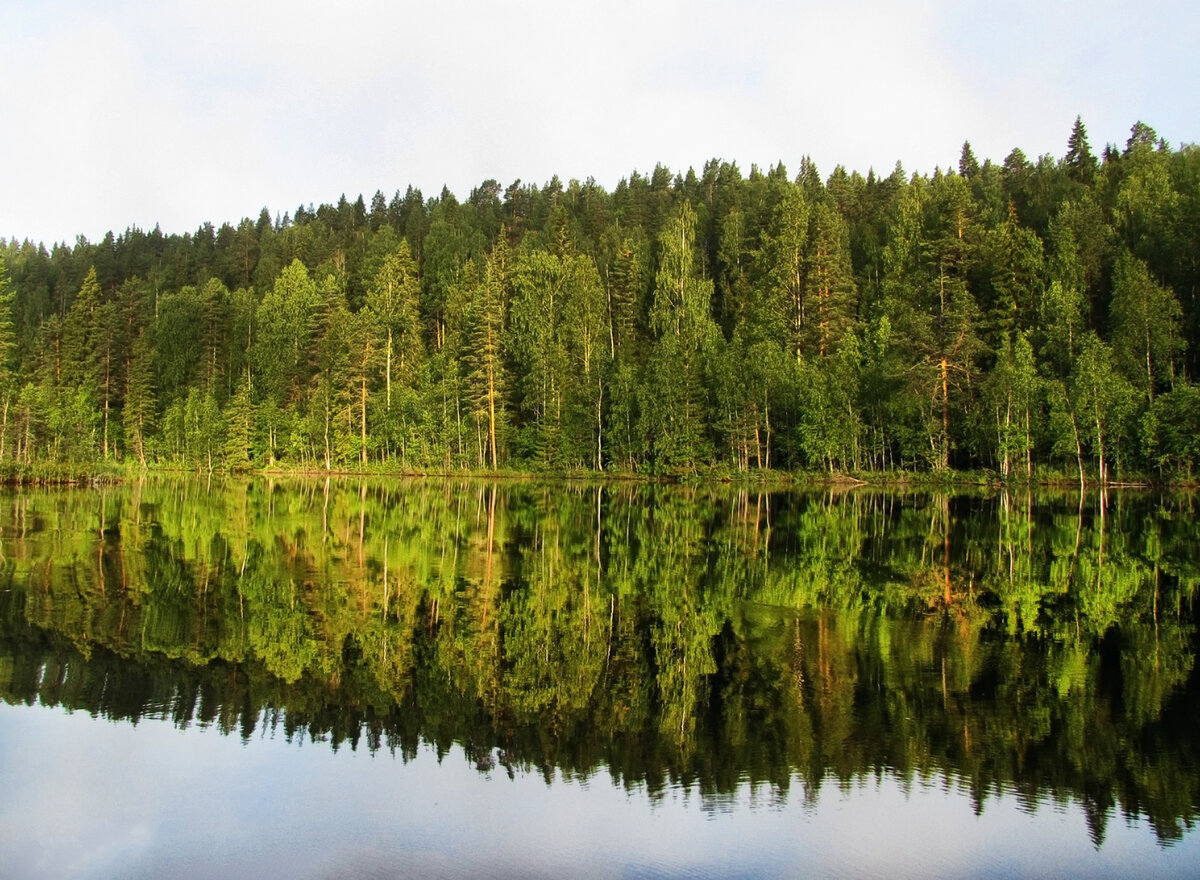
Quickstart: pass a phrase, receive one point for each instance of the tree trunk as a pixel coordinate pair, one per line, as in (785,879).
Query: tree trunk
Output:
(1002,447)
(1028,447)
(4,427)
(107,380)
(491,373)
(1149,371)
(362,423)
(1078,453)
(599,427)
(944,451)
(328,460)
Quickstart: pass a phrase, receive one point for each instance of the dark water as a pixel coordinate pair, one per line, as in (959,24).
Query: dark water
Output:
(492,680)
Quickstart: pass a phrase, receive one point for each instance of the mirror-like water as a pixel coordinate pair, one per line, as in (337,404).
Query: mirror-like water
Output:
(439,679)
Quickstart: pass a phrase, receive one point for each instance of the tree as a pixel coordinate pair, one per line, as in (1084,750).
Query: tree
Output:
(1171,430)
(239,429)
(927,261)
(285,320)
(393,302)
(784,315)
(968,165)
(1011,390)
(732,275)
(1060,327)
(333,388)
(586,327)
(626,277)
(1145,318)
(1103,400)
(178,343)
(447,247)
(560,326)
(7,353)
(139,414)
(487,376)
(830,280)
(214,336)
(89,354)
(77,354)
(1146,201)
(539,349)
(673,407)
(1016,266)
(1081,242)
(828,424)
(204,429)
(560,341)
(1079,161)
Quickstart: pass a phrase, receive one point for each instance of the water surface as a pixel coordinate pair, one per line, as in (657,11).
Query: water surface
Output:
(442,679)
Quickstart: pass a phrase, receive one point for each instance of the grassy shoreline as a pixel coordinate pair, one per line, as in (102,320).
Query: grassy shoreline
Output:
(97,474)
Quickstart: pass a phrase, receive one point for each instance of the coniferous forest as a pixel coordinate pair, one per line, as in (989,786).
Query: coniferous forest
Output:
(1033,318)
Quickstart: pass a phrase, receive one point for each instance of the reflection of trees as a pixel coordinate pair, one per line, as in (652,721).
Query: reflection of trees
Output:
(1039,643)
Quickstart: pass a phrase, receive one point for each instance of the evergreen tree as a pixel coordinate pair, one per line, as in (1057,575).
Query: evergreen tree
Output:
(830,281)
(1016,264)
(968,165)
(784,312)
(139,413)
(393,301)
(7,354)
(1079,161)
(487,377)
(928,261)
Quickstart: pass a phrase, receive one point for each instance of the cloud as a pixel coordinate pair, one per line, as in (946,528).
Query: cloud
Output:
(179,113)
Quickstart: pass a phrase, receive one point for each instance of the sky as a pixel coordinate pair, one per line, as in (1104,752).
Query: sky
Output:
(135,114)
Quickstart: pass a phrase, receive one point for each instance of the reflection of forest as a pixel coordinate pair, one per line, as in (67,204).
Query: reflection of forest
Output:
(1033,644)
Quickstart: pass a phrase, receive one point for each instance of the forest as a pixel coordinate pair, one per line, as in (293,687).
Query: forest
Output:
(1034,319)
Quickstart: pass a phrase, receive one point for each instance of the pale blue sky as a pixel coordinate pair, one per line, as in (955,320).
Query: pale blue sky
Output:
(136,113)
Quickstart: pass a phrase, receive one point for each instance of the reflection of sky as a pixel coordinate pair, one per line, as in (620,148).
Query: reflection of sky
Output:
(89,798)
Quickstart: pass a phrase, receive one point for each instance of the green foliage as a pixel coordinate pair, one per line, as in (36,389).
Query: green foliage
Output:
(680,323)
(1146,318)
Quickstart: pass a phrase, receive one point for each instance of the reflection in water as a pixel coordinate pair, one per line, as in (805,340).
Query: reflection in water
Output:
(719,642)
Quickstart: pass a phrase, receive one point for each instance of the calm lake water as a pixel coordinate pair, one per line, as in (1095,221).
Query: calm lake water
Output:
(441,679)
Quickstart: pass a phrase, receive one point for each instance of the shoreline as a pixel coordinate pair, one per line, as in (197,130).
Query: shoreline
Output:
(54,475)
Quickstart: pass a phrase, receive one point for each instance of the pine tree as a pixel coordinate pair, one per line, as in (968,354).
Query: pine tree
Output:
(487,377)
(1079,161)
(830,281)
(783,312)
(239,433)
(7,354)
(968,165)
(392,301)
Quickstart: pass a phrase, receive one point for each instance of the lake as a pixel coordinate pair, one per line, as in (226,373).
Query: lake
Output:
(393,678)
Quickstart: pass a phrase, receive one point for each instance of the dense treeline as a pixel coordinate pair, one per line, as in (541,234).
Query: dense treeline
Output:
(1041,645)
(1029,314)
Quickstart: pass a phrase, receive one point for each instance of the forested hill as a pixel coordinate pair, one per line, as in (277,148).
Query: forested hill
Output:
(1027,317)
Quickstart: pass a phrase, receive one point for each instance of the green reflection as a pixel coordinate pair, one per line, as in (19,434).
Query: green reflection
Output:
(1043,644)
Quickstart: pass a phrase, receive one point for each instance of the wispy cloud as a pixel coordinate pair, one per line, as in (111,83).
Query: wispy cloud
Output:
(177,113)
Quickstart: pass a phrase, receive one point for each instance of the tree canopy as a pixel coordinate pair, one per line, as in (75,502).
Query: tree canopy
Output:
(1029,314)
